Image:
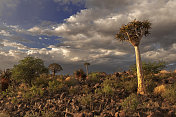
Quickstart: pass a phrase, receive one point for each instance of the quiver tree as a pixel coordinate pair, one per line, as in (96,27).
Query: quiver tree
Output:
(86,66)
(54,68)
(133,33)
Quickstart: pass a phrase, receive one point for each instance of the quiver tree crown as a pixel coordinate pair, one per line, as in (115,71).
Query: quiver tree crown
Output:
(134,31)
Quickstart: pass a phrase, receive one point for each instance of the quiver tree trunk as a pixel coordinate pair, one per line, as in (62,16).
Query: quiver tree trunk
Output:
(54,72)
(141,86)
(87,70)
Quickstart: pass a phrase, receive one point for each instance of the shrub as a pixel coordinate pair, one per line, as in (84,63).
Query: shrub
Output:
(55,86)
(71,81)
(42,81)
(98,91)
(33,92)
(130,103)
(159,90)
(108,90)
(150,85)
(32,114)
(85,100)
(130,85)
(94,78)
(80,74)
(74,89)
(85,89)
(170,93)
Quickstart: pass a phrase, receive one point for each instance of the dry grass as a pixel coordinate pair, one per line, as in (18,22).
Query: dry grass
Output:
(159,90)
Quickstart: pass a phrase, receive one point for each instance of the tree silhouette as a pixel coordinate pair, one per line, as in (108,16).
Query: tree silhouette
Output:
(133,33)
(54,67)
(86,66)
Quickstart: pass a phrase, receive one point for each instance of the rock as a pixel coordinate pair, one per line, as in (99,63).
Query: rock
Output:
(122,114)
(171,114)
(62,96)
(79,115)
(90,114)
(97,85)
(96,112)
(105,114)
(171,80)
(156,114)
(10,107)
(116,114)
(4,115)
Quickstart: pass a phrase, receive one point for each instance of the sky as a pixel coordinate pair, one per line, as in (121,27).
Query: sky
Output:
(72,32)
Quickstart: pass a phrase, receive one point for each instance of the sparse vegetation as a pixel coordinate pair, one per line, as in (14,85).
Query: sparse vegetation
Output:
(100,94)
(130,103)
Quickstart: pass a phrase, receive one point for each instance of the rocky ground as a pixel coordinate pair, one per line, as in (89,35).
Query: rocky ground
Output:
(109,96)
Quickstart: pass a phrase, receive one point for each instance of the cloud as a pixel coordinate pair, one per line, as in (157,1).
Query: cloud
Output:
(7,4)
(69,1)
(89,35)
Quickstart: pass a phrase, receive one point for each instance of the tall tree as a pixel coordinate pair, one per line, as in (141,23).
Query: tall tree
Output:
(54,67)
(133,33)
(86,66)
(28,69)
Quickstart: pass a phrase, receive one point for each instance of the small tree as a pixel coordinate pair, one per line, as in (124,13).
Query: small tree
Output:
(28,69)
(86,66)
(133,33)
(54,68)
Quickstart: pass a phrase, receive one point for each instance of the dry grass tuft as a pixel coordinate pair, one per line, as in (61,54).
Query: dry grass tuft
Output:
(159,90)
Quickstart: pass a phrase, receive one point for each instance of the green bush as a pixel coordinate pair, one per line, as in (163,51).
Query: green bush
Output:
(108,90)
(94,78)
(85,89)
(85,100)
(130,85)
(150,85)
(170,93)
(55,86)
(42,81)
(130,103)
(33,92)
(74,90)
(71,82)
(32,114)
